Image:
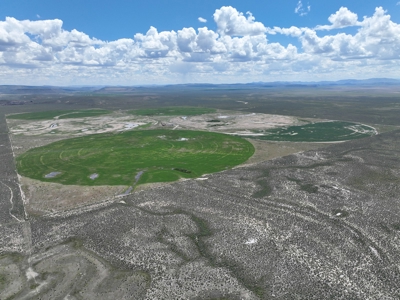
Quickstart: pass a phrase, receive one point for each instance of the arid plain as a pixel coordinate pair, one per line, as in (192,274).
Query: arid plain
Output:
(297,220)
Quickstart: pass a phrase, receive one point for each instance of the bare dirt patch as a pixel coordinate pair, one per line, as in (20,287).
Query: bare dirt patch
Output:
(26,134)
(77,126)
(43,197)
(234,121)
(266,150)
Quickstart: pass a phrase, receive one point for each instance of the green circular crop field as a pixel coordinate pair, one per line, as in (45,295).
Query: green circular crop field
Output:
(60,114)
(173,111)
(134,157)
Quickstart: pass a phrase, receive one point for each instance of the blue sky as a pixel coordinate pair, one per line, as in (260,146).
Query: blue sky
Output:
(147,42)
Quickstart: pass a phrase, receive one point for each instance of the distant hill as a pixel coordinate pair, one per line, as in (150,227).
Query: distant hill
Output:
(371,81)
(343,82)
(25,89)
(115,89)
(22,89)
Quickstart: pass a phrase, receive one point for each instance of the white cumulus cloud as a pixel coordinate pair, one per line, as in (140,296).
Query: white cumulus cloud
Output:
(342,18)
(43,52)
(231,22)
(378,38)
(202,20)
(301,10)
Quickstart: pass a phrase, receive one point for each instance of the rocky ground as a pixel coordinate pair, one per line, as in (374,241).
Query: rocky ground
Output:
(322,224)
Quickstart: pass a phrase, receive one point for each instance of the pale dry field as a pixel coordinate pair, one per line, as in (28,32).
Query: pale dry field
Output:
(42,132)
(45,197)
(27,134)
(235,122)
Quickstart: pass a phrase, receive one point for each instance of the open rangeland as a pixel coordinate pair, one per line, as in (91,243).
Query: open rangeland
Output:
(305,226)
(321,224)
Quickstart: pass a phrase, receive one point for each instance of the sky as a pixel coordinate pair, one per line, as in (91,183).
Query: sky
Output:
(131,42)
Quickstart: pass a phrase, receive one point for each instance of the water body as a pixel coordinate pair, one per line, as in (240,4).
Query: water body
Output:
(52,174)
(131,125)
(94,176)
(127,191)
(138,175)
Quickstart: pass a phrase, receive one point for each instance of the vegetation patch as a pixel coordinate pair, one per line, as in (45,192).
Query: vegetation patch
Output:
(3,279)
(60,114)
(396,226)
(34,286)
(172,111)
(318,132)
(309,188)
(117,158)
(265,190)
(183,170)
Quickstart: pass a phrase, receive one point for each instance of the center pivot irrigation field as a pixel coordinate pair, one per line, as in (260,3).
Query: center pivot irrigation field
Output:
(134,157)
(319,132)
(60,114)
(173,111)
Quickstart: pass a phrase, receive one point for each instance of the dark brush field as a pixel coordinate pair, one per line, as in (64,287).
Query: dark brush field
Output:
(319,224)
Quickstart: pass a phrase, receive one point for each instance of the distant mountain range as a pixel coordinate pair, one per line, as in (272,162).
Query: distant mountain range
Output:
(22,89)
(344,82)
(45,89)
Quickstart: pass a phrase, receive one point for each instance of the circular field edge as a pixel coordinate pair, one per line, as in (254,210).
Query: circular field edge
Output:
(329,131)
(134,157)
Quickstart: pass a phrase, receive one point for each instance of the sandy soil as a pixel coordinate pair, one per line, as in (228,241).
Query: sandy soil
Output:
(266,150)
(234,122)
(43,197)
(78,126)
(118,121)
